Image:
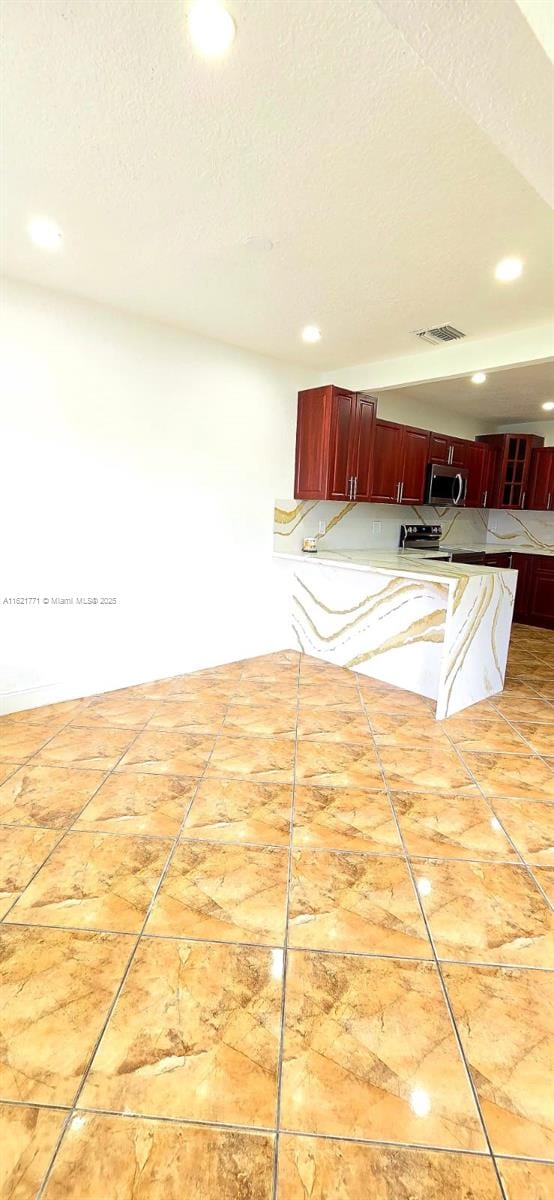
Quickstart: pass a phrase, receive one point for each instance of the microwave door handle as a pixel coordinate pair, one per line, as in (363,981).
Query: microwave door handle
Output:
(458,495)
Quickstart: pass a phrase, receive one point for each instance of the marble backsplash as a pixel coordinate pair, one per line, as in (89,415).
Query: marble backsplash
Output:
(377,526)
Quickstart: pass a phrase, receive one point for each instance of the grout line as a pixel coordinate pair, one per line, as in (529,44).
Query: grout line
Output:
(524,1158)
(267,1130)
(126,972)
(67,829)
(400,1145)
(176,840)
(531,800)
(438,968)
(279,1081)
(265,946)
(31,725)
(143,837)
(489,801)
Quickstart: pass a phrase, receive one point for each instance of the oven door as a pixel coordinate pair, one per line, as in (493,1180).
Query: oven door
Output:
(446,486)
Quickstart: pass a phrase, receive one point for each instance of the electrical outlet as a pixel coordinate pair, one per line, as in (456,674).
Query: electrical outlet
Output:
(376,526)
(322,528)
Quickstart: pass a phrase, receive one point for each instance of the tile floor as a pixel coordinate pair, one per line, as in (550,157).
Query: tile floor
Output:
(271,931)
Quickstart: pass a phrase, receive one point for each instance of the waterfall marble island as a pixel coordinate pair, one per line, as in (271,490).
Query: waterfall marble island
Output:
(437,628)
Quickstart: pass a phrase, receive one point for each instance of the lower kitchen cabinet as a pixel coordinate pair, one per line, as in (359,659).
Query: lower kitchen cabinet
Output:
(502,559)
(534,604)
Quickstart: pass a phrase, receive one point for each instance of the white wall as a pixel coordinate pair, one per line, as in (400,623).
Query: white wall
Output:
(543,429)
(142,463)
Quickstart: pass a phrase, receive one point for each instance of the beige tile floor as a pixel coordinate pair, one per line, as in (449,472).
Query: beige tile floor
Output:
(270,931)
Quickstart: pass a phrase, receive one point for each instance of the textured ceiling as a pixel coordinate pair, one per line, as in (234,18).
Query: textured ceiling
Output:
(324,131)
(514,395)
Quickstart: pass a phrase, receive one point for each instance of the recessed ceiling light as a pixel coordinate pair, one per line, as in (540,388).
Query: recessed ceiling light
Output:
(211,28)
(45,233)
(479,377)
(508,269)
(311,333)
(548,405)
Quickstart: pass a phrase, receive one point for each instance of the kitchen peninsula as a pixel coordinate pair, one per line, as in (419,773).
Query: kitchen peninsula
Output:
(439,629)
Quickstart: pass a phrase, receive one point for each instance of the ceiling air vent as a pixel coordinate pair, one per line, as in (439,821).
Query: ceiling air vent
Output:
(439,334)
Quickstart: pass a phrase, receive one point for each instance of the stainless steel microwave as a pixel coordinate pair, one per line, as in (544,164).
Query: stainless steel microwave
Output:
(446,485)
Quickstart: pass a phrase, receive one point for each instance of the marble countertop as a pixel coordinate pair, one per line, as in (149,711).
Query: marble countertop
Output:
(395,562)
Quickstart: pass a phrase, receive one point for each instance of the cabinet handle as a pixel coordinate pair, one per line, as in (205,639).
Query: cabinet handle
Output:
(484,505)
(398,492)
(401,493)
(450,455)
(354,487)
(548,500)
(522,504)
(349,488)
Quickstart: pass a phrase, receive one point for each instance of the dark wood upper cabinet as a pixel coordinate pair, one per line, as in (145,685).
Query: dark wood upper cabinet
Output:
(387,458)
(511,467)
(480,464)
(414,464)
(540,492)
(365,447)
(461,452)
(341,444)
(344,452)
(334,444)
(400,463)
(439,448)
(455,452)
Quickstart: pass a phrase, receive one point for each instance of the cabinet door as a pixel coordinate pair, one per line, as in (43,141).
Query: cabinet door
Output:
(488,477)
(341,443)
(312,443)
(387,461)
(362,465)
(439,448)
(475,483)
(510,470)
(515,469)
(414,465)
(460,453)
(540,493)
(522,563)
(540,604)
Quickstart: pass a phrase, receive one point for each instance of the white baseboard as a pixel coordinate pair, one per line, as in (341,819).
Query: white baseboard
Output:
(70,689)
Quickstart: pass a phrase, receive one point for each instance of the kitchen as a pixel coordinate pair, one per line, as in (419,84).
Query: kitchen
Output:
(459,505)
